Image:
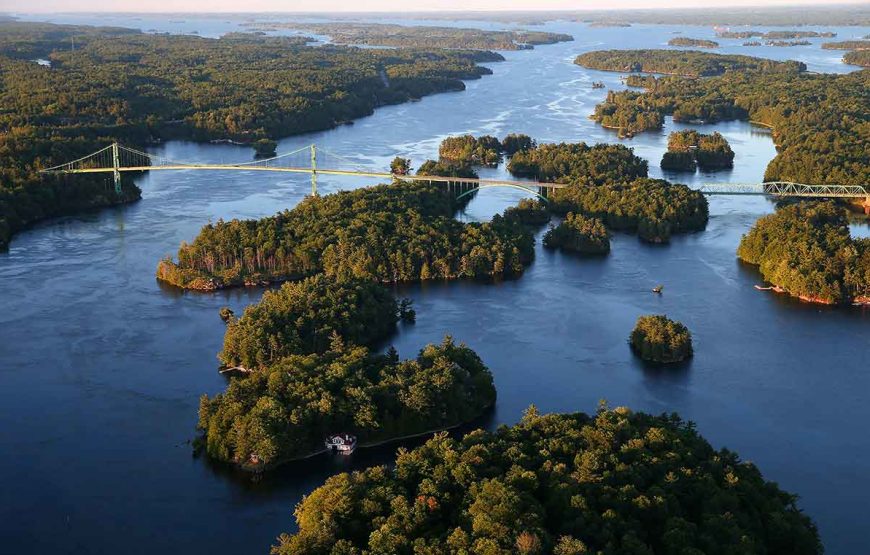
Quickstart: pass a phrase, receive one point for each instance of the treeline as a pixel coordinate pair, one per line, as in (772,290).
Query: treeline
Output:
(388,233)
(578,163)
(689,150)
(122,85)
(382,34)
(847,45)
(819,120)
(569,484)
(857,58)
(688,63)
(806,250)
(775,34)
(693,43)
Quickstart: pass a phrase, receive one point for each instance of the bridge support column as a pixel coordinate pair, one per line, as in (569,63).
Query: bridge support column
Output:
(313,170)
(116,163)
(867,206)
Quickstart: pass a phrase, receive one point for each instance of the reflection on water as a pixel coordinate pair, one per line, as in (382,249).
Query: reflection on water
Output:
(103,366)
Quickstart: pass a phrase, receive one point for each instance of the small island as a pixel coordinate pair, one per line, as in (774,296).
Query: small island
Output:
(689,150)
(467,149)
(579,234)
(657,338)
(530,212)
(805,250)
(857,58)
(613,482)
(847,45)
(693,43)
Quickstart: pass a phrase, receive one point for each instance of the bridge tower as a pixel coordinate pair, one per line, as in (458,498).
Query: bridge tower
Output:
(116,163)
(313,170)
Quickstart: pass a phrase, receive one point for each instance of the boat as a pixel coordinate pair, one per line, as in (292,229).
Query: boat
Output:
(658,289)
(341,443)
(597,85)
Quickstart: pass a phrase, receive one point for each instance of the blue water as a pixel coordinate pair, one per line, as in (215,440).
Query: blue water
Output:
(102,366)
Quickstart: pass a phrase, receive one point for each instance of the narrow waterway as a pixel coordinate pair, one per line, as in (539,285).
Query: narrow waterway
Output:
(102,366)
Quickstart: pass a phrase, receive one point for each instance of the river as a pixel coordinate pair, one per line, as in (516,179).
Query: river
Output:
(102,366)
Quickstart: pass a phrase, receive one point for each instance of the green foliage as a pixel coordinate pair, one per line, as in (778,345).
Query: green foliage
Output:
(653,208)
(400,166)
(389,233)
(806,250)
(616,483)
(660,339)
(122,85)
(857,58)
(445,168)
(578,233)
(515,142)
(531,212)
(688,149)
(578,163)
(302,317)
(820,121)
(847,45)
(689,63)
(693,43)
(265,148)
(470,150)
(287,409)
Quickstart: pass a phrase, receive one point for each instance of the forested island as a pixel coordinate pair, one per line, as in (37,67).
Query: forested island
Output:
(384,34)
(580,234)
(818,120)
(857,58)
(775,35)
(388,233)
(693,43)
(687,63)
(241,87)
(847,45)
(567,484)
(806,251)
(689,150)
(657,338)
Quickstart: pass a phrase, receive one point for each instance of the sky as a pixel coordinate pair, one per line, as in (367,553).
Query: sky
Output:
(188,6)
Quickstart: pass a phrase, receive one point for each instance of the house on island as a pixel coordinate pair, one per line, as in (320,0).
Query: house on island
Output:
(342,443)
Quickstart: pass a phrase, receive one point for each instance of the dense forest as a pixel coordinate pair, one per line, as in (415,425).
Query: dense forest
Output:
(806,250)
(819,121)
(693,43)
(580,234)
(467,149)
(382,34)
(301,317)
(657,338)
(857,58)
(388,233)
(119,84)
(569,484)
(285,410)
(688,63)
(530,212)
(689,150)
(847,45)
(578,163)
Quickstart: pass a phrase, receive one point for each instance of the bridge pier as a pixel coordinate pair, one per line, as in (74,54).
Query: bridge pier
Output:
(867,206)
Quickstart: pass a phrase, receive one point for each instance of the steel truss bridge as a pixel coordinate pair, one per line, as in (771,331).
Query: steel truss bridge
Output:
(117,159)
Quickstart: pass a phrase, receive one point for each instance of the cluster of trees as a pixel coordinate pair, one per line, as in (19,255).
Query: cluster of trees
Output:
(657,338)
(787,43)
(567,484)
(531,212)
(857,58)
(688,63)
(122,85)
(383,34)
(580,234)
(653,208)
(301,317)
(693,43)
(689,149)
(819,120)
(806,250)
(578,163)
(470,150)
(388,233)
(285,410)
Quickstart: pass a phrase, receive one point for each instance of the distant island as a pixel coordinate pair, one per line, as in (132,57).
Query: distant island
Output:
(568,484)
(805,250)
(847,45)
(383,34)
(693,43)
(687,63)
(775,35)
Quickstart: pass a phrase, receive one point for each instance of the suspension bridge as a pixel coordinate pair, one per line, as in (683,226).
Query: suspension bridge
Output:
(117,159)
